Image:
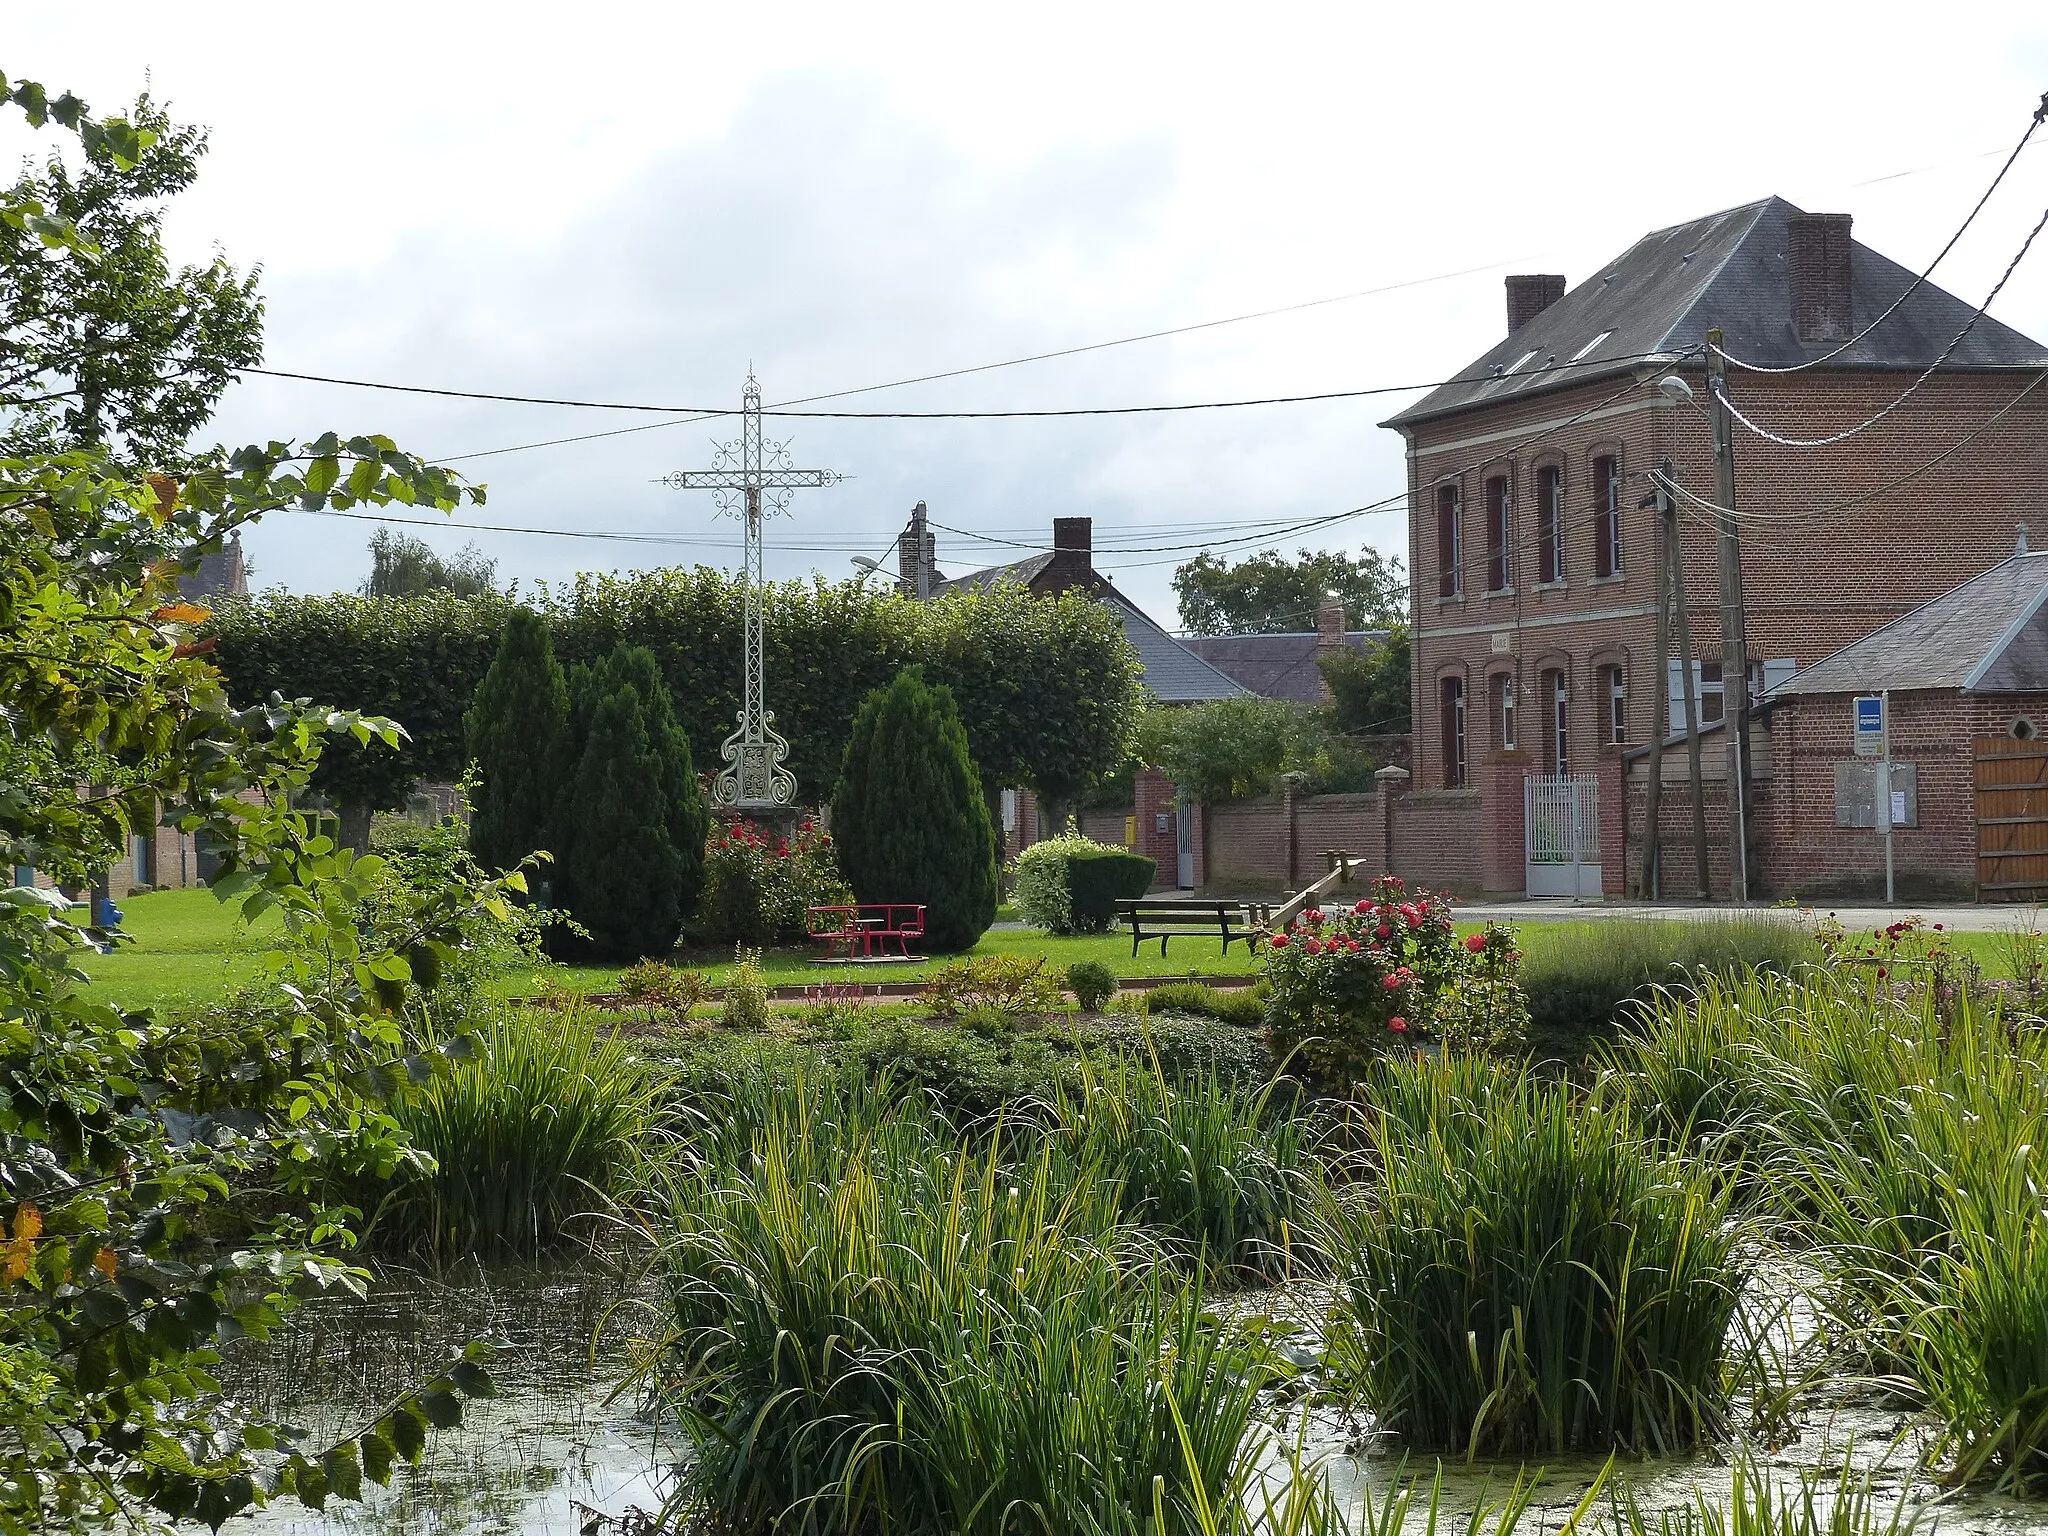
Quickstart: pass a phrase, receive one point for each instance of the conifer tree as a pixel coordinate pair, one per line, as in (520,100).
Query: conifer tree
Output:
(517,735)
(687,817)
(909,817)
(620,873)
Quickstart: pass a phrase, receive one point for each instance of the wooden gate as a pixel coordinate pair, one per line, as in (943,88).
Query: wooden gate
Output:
(2012,819)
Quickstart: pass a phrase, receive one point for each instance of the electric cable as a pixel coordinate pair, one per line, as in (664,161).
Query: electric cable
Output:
(2040,114)
(1947,352)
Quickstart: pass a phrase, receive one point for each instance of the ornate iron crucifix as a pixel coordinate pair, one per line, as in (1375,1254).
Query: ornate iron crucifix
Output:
(751,479)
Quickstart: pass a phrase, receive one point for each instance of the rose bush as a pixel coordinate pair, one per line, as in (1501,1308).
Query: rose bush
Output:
(1389,973)
(758,883)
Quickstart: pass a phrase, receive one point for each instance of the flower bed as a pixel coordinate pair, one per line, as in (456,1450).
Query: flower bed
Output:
(759,884)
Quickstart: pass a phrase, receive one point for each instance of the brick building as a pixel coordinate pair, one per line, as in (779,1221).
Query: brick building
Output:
(1534,562)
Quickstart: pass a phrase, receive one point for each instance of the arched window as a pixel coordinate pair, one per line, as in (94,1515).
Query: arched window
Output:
(1607,516)
(1452,695)
(1550,523)
(1499,571)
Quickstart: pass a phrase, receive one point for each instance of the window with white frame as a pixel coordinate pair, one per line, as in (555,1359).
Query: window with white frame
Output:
(1706,686)
(1504,709)
(1453,722)
(1616,680)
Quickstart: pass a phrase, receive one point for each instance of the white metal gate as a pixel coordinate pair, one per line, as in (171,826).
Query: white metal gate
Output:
(1561,817)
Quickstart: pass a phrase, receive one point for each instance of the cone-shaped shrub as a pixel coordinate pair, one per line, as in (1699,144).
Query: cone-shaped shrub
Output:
(687,819)
(620,873)
(909,816)
(517,735)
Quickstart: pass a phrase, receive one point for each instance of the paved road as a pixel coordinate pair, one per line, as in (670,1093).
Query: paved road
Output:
(1962,917)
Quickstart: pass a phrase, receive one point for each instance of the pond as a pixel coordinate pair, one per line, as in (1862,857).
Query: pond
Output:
(565,1441)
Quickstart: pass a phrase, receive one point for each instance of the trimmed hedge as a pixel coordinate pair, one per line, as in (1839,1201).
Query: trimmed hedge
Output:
(1098,879)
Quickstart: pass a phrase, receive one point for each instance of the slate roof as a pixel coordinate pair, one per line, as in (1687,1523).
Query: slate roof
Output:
(1279,666)
(1173,674)
(1727,269)
(1990,635)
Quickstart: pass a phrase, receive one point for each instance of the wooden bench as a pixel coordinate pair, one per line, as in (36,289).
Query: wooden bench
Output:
(1165,919)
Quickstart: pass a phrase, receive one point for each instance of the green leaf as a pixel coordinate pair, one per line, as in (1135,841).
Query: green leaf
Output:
(344,1472)
(377,1454)
(407,1427)
(442,1407)
(473,1379)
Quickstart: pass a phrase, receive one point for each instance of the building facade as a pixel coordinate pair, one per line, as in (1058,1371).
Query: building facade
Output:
(1534,559)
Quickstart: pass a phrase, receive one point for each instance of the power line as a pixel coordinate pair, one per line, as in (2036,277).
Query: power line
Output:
(1911,389)
(1913,287)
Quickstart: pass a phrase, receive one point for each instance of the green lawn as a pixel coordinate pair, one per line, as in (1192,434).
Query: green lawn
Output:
(189,948)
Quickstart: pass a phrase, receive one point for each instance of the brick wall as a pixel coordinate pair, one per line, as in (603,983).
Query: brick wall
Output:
(1437,839)
(1248,845)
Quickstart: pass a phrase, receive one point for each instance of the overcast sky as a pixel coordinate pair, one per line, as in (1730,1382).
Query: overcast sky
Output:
(639,202)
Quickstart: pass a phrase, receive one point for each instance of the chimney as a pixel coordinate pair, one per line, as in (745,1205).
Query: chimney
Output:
(1817,270)
(917,553)
(1329,638)
(1531,293)
(1073,553)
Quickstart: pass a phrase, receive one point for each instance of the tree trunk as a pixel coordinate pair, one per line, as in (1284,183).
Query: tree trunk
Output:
(1053,811)
(354,830)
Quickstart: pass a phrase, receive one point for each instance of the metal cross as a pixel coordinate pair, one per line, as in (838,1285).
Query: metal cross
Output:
(752,479)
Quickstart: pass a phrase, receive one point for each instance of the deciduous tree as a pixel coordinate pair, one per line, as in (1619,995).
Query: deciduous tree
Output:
(1269,594)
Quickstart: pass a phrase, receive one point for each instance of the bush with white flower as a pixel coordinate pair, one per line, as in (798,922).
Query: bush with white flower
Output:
(1389,973)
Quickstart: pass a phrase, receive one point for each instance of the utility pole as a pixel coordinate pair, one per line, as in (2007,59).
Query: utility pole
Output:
(1734,650)
(1674,562)
(1653,796)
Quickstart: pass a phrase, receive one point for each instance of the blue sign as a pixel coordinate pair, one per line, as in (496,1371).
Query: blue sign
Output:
(1869,726)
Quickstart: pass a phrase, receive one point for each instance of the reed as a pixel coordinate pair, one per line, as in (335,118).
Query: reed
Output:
(543,1124)
(880,1326)
(1520,1271)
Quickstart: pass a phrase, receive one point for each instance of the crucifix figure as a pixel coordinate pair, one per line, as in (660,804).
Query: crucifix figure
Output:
(751,479)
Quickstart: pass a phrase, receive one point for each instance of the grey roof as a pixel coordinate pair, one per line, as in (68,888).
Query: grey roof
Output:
(1173,674)
(1279,666)
(1727,269)
(1990,635)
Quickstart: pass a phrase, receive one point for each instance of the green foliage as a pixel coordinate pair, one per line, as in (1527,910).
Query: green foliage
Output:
(913,825)
(1039,882)
(543,1125)
(517,733)
(1369,689)
(120,350)
(1242,1006)
(890,1330)
(663,993)
(1011,988)
(1384,975)
(620,874)
(1226,749)
(1584,979)
(1587,1277)
(760,885)
(1267,594)
(684,814)
(404,566)
(745,1004)
(1047,688)
(1092,984)
(1098,878)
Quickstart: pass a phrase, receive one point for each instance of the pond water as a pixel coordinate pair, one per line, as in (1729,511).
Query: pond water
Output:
(566,1441)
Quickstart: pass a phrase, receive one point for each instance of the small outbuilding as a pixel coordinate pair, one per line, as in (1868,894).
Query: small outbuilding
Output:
(1966,678)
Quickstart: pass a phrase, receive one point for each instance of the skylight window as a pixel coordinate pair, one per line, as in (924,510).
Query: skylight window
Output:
(1584,351)
(1521,362)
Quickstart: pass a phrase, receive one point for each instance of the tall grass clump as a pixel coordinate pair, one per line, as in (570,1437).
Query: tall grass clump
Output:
(879,1326)
(1584,979)
(543,1123)
(1520,1271)
(1198,1161)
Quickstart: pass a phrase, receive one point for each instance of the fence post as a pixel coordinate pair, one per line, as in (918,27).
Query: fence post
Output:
(1392,780)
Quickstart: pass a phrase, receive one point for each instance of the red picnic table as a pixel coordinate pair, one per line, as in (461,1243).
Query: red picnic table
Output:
(866,927)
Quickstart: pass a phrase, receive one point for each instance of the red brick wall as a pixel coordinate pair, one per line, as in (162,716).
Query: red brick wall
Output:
(1437,839)
(1248,845)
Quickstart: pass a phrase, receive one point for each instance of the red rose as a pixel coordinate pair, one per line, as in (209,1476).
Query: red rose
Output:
(1279,941)
(1314,946)
(1314,914)
(1391,981)
(1384,930)
(1398,1025)
(1476,942)
(1362,907)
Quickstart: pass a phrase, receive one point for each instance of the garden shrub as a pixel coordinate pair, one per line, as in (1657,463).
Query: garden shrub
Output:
(1098,878)
(1245,1006)
(1385,975)
(1071,883)
(1092,984)
(759,885)
(517,737)
(662,992)
(913,823)
(1520,1272)
(745,1004)
(1583,979)
(1012,987)
(618,872)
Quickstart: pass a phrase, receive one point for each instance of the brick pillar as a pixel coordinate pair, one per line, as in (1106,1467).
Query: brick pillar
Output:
(1392,782)
(1154,798)
(1502,812)
(1611,772)
(1200,812)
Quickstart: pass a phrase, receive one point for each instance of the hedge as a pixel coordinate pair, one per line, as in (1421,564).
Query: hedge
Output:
(1097,879)
(1047,687)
